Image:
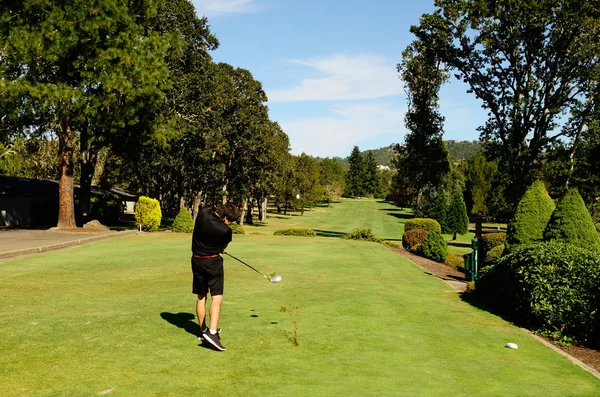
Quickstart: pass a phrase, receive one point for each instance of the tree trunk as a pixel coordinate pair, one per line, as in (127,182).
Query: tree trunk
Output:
(196,207)
(454,238)
(262,209)
(243,212)
(89,158)
(249,210)
(66,202)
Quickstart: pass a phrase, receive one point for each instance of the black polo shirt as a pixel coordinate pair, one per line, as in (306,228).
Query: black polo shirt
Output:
(211,234)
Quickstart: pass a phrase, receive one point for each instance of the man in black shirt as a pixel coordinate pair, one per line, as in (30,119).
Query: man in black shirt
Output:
(210,238)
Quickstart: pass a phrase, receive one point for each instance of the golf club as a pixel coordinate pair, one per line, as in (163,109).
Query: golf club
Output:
(276,278)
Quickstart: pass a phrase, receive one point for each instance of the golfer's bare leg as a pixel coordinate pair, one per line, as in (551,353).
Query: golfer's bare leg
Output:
(201,311)
(215,311)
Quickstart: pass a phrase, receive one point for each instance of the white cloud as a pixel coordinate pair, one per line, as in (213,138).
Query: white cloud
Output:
(345,77)
(348,126)
(213,8)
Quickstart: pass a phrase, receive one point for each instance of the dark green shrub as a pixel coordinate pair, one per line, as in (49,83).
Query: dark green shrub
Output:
(422,223)
(295,232)
(433,247)
(183,223)
(493,256)
(531,217)
(549,286)
(362,234)
(148,214)
(572,223)
(236,228)
(106,210)
(413,237)
(487,242)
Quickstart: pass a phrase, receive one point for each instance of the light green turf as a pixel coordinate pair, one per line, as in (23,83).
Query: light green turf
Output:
(339,218)
(119,315)
(386,221)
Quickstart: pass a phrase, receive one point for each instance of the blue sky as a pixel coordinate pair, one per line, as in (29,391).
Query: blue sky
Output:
(329,69)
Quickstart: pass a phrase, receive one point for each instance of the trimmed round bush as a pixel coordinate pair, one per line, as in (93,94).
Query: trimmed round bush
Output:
(423,224)
(531,217)
(413,237)
(548,286)
(572,223)
(493,256)
(183,223)
(433,247)
(363,235)
(487,242)
(295,232)
(236,228)
(148,214)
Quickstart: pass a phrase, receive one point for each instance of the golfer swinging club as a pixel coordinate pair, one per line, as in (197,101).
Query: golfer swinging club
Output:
(210,238)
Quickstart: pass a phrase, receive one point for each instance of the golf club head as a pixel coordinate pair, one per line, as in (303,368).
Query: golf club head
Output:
(275,279)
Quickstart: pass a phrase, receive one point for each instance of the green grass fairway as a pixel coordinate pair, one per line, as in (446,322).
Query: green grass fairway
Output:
(386,221)
(349,318)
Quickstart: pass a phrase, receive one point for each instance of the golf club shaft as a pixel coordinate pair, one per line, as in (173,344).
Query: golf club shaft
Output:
(241,261)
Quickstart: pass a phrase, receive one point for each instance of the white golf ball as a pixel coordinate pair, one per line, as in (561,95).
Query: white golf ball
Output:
(512,345)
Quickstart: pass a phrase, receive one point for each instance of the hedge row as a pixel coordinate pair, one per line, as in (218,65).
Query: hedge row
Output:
(295,232)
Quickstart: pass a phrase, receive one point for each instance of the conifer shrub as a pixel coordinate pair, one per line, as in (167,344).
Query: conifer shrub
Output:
(183,222)
(572,223)
(236,228)
(363,235)
(295,232)
(440,209)
(433,247)
(413,237)
(531,217)
(457,220)
(487,242)
(552,287)
(148,214)
(423,224)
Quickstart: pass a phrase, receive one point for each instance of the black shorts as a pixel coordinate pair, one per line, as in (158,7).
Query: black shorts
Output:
(208,276)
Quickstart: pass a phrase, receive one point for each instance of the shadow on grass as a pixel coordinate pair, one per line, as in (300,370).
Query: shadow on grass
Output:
(459,244)
(328,233)
(279,216)
(186,321)
(401,216)
(183,320)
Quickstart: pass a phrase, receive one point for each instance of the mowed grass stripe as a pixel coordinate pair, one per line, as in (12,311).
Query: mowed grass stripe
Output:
(119,314)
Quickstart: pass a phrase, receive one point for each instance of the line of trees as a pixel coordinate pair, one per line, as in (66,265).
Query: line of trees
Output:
(127,95)
(536,70)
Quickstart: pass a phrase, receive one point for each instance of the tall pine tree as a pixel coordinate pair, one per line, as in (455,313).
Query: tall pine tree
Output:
(356,174)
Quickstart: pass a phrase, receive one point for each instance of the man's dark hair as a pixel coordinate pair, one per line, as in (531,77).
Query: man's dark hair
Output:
(229,211)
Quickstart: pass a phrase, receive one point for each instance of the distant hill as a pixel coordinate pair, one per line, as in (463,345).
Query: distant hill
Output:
(459,150)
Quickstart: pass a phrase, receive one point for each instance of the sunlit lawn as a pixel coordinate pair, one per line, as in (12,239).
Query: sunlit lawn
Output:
(349,318)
